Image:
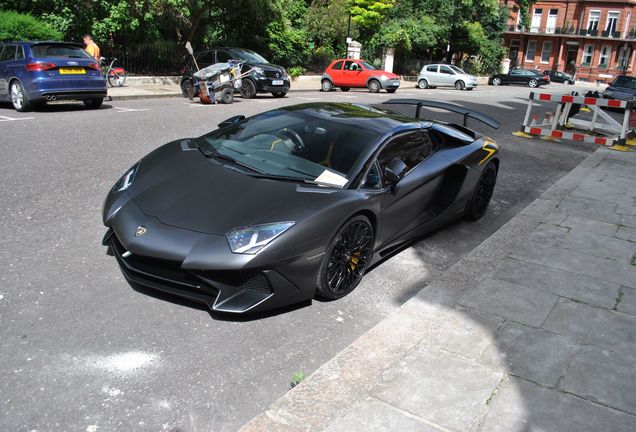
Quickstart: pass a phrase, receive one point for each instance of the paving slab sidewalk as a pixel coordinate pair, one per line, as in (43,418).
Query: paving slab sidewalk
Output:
(533,330)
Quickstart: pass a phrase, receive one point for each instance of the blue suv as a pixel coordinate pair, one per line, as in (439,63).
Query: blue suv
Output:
(32,73)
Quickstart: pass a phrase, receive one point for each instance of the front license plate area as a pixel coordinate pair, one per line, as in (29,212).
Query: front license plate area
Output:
(70,71)
(277,82)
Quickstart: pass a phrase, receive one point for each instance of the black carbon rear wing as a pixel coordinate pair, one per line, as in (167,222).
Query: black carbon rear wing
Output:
(466,112)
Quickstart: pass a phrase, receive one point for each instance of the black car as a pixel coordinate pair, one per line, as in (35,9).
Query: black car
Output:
(623,87)
(269,210)
(263,76)
(529,77)
(559,77)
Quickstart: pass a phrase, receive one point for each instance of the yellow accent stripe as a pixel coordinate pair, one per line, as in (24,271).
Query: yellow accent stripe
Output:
(490,151)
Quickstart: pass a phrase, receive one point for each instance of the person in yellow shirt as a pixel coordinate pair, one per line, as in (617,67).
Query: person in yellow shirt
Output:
(91,47)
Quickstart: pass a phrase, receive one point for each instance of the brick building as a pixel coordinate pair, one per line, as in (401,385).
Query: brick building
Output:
(594,39)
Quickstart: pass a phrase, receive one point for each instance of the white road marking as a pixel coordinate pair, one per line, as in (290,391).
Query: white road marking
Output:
(5,118)
(349,96)
(123,110)
(308,98)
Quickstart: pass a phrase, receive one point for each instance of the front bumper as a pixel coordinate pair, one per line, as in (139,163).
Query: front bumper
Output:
(201,267)
(390,83)
(272,85)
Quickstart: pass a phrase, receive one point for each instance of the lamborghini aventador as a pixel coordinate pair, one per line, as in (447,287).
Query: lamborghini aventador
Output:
(300,201)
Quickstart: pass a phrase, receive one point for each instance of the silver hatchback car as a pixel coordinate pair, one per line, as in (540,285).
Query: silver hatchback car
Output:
(445,75)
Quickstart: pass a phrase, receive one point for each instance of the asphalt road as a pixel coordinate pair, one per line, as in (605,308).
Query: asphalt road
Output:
(80,350)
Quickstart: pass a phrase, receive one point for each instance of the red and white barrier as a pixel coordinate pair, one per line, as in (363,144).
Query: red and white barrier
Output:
(601,130)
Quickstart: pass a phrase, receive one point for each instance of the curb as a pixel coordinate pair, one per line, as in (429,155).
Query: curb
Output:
(336,386)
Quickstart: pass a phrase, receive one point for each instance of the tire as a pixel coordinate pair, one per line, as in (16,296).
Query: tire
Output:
(496,81)
(227,96)
(19,99)
(346,259)
(116,79)
(471,89)
(279,94)
(533,83)
(93,103)
(374,86)
(423,84)
(391,90)
(566,82)
(187,89)
(459,85)
(326,85)
(344,89)
(483,192)
(248,89)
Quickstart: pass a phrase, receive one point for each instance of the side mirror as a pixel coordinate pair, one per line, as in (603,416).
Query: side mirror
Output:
(394,171)
(231,121)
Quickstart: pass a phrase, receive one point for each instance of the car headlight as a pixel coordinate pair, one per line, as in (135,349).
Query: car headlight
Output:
(608,93)
(127,179)
(384,77)
(252,239)
(259,71)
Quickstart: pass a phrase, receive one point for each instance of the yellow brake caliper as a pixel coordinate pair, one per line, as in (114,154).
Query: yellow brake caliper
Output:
(353,262)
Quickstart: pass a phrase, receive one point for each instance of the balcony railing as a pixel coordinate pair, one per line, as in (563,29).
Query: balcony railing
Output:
(572,31)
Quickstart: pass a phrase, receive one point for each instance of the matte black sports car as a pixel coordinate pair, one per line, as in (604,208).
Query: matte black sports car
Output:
(273,209)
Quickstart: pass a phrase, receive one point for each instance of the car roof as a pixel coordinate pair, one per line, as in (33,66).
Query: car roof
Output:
(369,117)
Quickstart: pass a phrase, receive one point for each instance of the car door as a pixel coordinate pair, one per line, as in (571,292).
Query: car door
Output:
(446,76)
(432,75)
(352,74)
(7,58)
(335,72)
(409,203)
(515,76)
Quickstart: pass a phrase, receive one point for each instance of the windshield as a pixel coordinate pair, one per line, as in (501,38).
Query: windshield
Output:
(293,145)
(458,70)
(248,56)
(58,50)
(368,65)
(625,82)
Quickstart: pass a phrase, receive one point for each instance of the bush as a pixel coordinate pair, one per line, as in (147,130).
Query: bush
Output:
(15,26)
(295,71)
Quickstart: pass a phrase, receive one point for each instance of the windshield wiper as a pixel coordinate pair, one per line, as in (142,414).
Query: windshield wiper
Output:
(219,156)
(282,178)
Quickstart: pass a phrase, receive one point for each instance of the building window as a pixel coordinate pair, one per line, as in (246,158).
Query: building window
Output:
(603,61)
(536,20)
(552,21)
(623,57)
(588,52)
(546,51)
(531,50)
(612,22)
(592,21)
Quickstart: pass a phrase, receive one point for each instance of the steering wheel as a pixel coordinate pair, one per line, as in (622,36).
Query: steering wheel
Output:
(299,145)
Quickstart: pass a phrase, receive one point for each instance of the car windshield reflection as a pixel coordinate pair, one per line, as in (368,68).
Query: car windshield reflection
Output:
(293,145)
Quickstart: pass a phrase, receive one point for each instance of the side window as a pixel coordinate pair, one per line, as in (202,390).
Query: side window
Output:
(446,70)
(20,53)
(516,72)
(205,59)
(222,57)
(411,148)
(337,65)
(373,180)
(431,68)
(351,65)
(8,53)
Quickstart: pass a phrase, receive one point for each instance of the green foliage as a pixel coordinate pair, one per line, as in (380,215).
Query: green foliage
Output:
(286,46)
(369,13)
(326,22)
(295,71)
(16,26)
(297,378)
(408,33)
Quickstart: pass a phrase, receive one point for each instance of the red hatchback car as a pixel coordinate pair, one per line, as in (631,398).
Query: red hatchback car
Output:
(347,73)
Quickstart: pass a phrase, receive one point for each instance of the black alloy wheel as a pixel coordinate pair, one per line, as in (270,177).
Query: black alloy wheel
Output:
(483,192)
(347,258)
(248,89)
